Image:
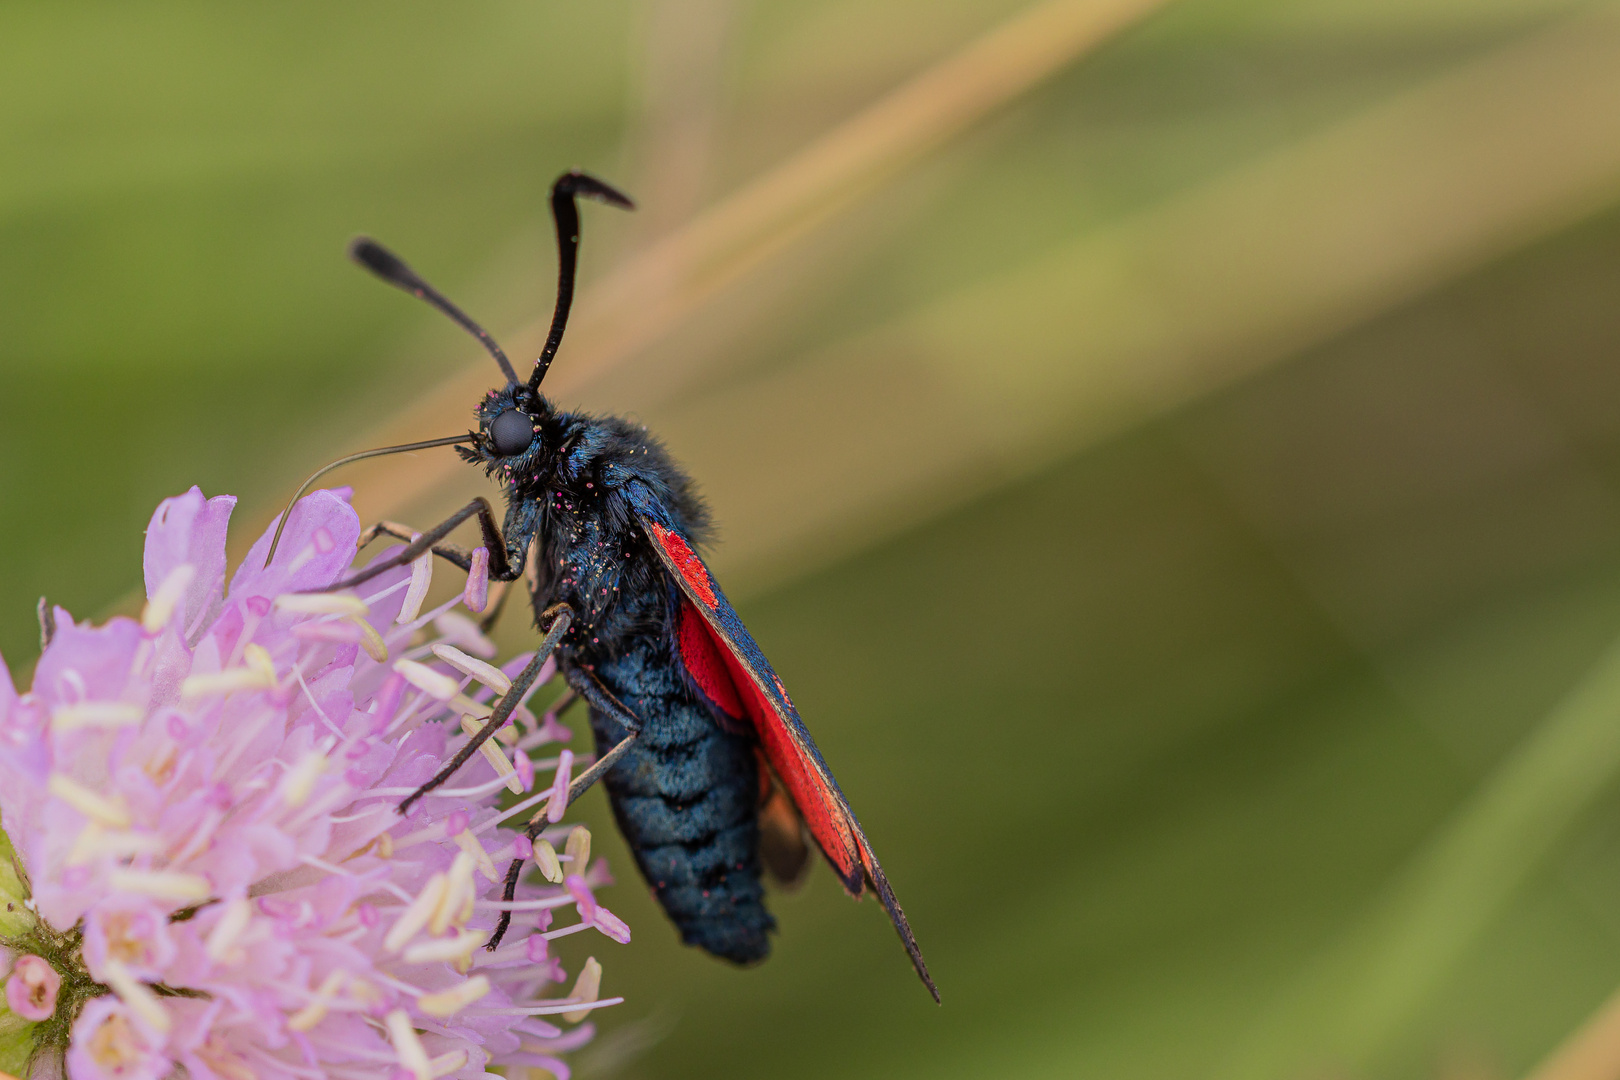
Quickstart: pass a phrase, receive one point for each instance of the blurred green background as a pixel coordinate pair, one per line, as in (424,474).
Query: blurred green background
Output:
(1182,490)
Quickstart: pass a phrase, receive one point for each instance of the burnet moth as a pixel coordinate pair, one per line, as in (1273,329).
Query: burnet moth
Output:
(712,775)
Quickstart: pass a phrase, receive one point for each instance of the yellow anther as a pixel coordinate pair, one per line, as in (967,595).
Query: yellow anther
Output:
(456,897)
(162,884)
(300,779)
(449,1002)
(491,676)
(161,607)
(445,950)
(435,684)
(417,912)
(322,604)
(221,683)
(135,994)
(408,1045)
(496,757)
(416,592)
(96,841)
(578,849)
(545,857)
(371,641)
(222,939)
(98,808)
(257,658)
(586,988)
(314,1012)
(452,1061)
(469,843)
(96,714)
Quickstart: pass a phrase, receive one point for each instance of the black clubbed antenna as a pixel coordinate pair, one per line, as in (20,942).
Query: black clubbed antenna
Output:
(392,269)
(565,212)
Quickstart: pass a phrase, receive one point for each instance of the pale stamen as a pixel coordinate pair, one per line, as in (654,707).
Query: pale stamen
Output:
(110,812)
(491,676)
(299,781)
(495,756)
(222,939)
(224,683)
(417,913)
(469,844)
(136,995)
(568,1009)
(94,842)
(321,604)
(446,950)
(371,641)
(421,578)
(455,901)
(408,1045)
(315,1011)
(162,884)
(160,609)
(435,684)
(579,849)
(449,1002)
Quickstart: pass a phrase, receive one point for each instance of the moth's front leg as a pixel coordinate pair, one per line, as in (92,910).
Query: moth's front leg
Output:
(502,566)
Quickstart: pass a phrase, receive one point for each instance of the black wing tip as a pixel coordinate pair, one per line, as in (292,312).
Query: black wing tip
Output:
(891,904)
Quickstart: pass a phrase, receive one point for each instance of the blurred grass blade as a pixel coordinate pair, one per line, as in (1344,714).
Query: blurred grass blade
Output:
(652,290)
(1365,990)
(1173,303)
(1592,1052)
(921,114)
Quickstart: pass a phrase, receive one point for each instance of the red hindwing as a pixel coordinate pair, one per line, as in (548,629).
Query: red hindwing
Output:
(728,668)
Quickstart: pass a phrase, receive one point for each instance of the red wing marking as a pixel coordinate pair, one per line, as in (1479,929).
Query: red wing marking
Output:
(822,806)
(703,657)
(722,656)
(691,567)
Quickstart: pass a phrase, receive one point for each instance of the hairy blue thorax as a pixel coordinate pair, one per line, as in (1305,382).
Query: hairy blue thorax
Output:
(575,491)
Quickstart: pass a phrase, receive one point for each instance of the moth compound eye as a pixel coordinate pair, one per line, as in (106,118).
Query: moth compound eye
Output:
(512,433)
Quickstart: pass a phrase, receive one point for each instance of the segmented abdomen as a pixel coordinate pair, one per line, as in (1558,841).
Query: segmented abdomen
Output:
(686,797)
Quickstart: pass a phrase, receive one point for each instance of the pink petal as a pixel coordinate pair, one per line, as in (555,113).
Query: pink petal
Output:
(315,511)
(190,529)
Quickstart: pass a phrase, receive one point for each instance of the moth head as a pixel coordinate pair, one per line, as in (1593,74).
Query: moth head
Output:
(511,426)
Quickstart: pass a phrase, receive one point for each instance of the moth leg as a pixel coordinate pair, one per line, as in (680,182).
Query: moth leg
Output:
(562,617)
(586,685)
(584,780)
(499,565)
(451,553)
(583,683)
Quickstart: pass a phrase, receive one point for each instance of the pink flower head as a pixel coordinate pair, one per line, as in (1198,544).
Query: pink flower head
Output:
(210,792)
(31,988)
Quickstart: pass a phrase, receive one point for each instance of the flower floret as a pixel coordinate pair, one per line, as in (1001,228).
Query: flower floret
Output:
(204,802)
